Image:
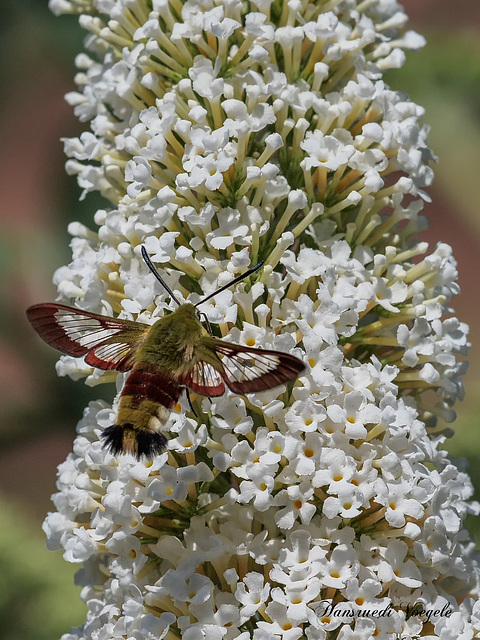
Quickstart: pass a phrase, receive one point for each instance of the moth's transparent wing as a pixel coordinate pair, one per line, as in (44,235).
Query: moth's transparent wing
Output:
(203,378)
(246,370)
(107,343)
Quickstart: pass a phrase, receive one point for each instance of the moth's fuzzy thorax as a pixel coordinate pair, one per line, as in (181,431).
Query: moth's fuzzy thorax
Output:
(172,340)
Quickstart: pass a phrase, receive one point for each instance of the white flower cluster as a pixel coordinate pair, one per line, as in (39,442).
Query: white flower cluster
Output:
(224,133)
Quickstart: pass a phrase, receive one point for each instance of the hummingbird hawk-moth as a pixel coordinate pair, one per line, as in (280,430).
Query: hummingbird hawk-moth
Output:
(174,353)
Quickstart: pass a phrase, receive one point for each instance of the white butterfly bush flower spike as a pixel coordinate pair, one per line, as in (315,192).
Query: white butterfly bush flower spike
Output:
(223,134)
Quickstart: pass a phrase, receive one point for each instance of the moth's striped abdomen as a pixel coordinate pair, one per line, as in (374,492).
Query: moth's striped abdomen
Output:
(145,404)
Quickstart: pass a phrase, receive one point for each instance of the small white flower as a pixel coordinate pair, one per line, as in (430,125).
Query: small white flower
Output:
(398,505)
(230,230)
(329,151)
(340,568)
(281,623)
(396,567)
(167,486)
(295,500)
(252,593)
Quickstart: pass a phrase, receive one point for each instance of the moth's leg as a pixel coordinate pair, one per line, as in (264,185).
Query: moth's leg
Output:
(207,322)
(190,402)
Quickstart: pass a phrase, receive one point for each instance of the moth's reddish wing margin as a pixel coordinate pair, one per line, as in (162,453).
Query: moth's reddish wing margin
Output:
(242,369)
(123,334)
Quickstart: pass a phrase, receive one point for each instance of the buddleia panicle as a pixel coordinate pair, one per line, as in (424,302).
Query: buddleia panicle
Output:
(223,134)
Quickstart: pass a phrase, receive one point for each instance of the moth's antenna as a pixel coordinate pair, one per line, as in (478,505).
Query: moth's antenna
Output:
(234,281)
(149,264)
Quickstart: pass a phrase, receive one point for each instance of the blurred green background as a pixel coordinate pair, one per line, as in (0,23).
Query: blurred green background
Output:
(38,411)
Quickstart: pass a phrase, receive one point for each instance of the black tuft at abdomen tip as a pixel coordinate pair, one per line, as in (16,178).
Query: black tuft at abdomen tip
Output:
(113,439)
(122,439)
(150,443)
